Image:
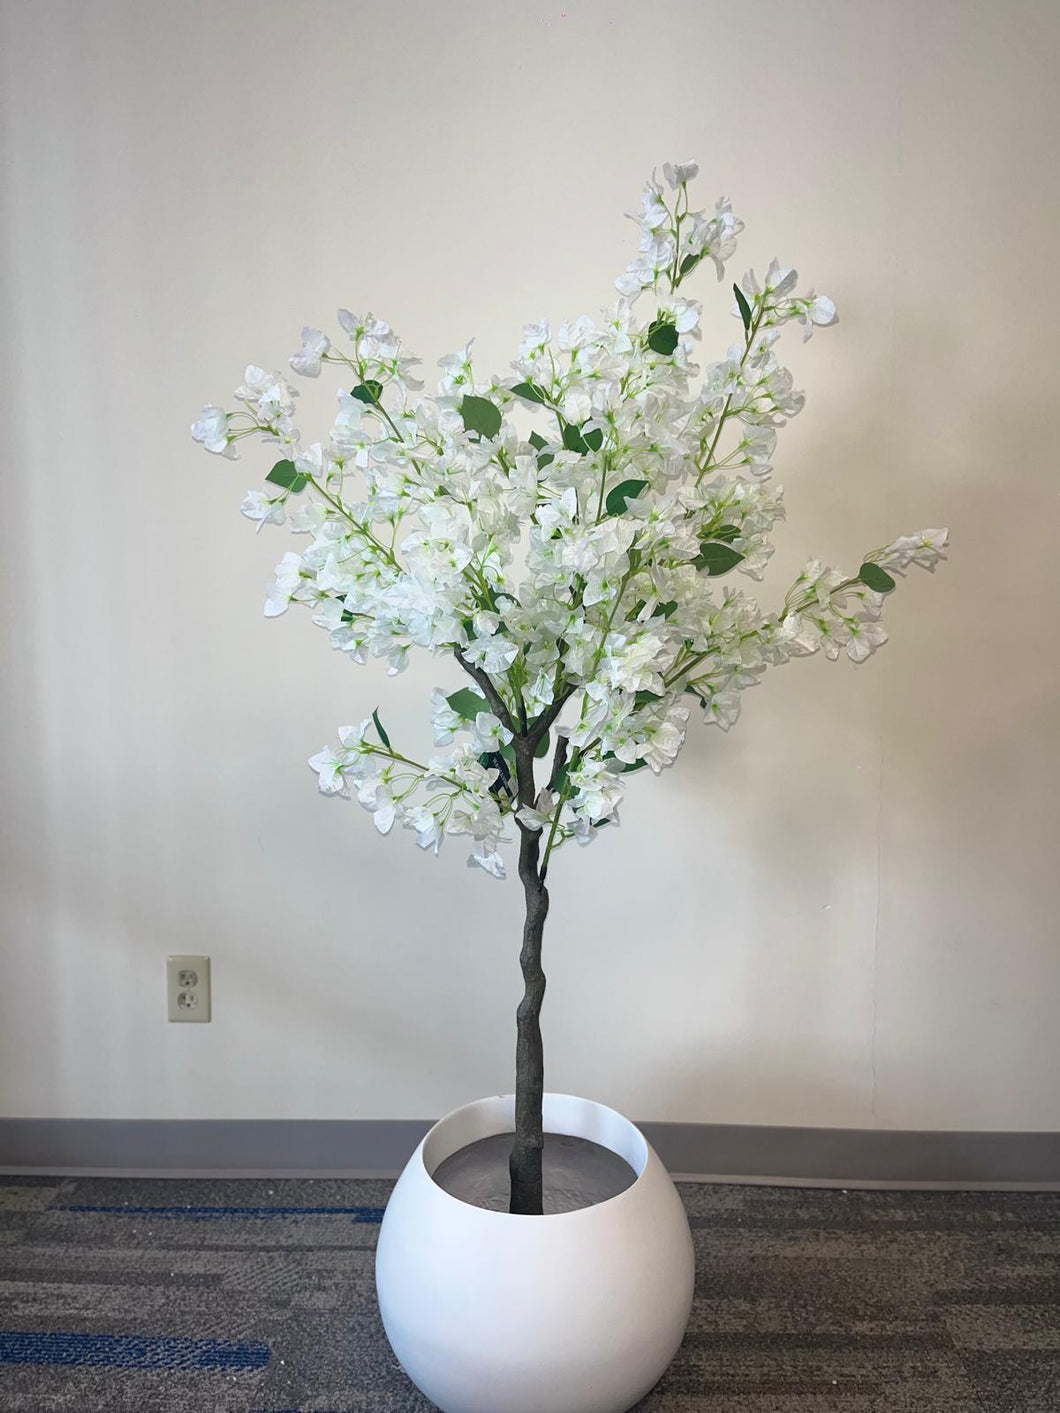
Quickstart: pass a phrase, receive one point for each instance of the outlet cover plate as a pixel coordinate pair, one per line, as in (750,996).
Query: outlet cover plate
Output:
(188,988)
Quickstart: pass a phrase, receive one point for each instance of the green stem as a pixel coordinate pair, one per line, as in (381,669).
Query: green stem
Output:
(361,528)
(564,793)
(389,754)
(749,338)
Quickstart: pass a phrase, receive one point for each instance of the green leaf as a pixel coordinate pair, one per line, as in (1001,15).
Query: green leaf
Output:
(745,308)
(379,727)
(530,391)
(573,439)
(541,749)
(538,442)
(481,416)
(725,533)
(615,504)
(369,392)
(716,559)
(560,778)
(662,338)
(637,765)
(643,697)
(873,577)
(664,610)
(284,474)
(690,262)
(466,703)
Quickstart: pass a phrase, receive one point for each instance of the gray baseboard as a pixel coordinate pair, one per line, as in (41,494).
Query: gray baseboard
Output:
(187,1146)
(380,1147)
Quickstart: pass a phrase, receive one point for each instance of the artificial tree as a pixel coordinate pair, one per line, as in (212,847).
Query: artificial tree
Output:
(558,534)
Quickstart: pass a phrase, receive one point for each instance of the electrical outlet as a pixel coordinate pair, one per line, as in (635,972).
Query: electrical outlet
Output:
(188,988)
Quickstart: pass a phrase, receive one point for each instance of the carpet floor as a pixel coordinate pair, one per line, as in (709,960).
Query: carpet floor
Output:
(256,1296)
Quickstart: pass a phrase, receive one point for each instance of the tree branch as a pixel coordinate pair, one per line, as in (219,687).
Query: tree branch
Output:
(496,701)
(559,760)
(545,720)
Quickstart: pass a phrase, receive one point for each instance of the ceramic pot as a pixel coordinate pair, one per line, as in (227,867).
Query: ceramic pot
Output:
(578,1312)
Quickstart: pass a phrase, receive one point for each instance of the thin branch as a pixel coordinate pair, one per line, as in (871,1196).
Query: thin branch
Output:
(492,696)
(547,717)
(559,760)
(357,525)
(750,335)
(565,790)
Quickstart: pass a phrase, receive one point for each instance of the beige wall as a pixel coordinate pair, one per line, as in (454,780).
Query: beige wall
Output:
(842,914)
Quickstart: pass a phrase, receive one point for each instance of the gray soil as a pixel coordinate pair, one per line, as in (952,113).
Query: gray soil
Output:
(577,1173)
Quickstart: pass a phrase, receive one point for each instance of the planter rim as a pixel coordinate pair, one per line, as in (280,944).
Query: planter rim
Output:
(640,1157)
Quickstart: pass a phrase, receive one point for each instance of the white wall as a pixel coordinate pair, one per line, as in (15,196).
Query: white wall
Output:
(843,913)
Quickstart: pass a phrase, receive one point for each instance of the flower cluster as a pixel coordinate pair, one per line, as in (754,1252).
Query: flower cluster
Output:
(558,534)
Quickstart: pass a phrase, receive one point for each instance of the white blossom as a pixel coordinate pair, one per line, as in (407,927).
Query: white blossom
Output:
(211,429)
(428,826)
(265,509)
(269,393)
(596,790)
(328,767)
(444,720)
(863,637)
(286,584)
(487,733)
(678,173)
(493,654)
(314,347)
(664,737)
(925,549)
(487,859)
(570,539)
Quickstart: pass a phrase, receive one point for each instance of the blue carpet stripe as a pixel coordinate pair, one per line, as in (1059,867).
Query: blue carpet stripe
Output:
(355,1214)
(129,1351)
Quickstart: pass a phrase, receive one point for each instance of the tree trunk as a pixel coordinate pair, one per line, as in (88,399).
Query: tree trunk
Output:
(527,1190)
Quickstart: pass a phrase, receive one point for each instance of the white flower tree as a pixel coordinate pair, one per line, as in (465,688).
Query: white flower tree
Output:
(563,536)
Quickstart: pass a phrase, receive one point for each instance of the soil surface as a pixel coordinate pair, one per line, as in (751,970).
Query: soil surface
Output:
(578,1173)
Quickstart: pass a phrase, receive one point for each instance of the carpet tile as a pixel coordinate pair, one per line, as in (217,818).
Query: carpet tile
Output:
(257,1296)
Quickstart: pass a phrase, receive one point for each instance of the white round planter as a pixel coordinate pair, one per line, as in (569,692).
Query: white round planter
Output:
(580,1312)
